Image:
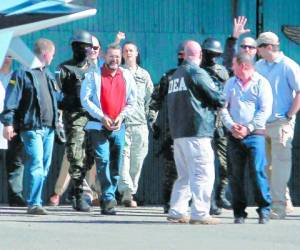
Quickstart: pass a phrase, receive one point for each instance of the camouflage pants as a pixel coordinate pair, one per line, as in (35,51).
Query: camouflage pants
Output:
(134,153)
(220,145)
(76,146)
(170,172)
(169,179)
(221,178)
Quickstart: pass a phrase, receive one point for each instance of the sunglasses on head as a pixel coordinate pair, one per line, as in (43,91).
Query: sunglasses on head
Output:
(244,46)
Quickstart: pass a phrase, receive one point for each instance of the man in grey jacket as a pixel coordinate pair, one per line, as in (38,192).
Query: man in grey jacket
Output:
(192,99)
(108,96)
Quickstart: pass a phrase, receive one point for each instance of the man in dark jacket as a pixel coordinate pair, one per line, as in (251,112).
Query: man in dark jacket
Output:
(14,155)
(157,104)
(192,100)
(31,105)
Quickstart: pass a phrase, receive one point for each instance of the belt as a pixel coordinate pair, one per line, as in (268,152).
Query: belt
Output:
(258,132)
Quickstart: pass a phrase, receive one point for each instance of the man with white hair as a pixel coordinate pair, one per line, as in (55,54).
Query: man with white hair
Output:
(192,100)
(283,75)
(247,45)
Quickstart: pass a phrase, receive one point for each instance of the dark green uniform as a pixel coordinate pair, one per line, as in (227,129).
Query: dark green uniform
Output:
(71,75)
(220,75)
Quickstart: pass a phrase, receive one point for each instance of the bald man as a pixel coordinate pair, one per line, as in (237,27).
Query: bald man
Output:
(192,100)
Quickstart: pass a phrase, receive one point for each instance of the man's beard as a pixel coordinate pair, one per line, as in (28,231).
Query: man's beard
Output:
(112,66)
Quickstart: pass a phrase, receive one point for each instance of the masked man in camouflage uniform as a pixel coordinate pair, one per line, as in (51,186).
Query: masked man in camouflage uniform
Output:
(71,75)
(212,49)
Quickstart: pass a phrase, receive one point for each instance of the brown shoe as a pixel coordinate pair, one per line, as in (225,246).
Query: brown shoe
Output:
(182,219)
(96,202)
(130,203)
(207,221)
(289,208)
(54,200)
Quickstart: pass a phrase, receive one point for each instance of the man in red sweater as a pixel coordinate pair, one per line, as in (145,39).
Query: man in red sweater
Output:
(108,96)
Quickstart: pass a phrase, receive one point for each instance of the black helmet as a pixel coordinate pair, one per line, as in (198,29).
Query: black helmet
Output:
(181,46)
(213,45)
(82,36)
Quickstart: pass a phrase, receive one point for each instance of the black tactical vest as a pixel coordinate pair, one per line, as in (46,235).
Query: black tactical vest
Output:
(71,77)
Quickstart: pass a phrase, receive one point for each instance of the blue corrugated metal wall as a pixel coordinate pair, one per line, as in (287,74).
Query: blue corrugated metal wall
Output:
(158,26)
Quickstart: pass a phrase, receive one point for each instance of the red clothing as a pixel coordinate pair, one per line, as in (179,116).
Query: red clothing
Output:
(113,93)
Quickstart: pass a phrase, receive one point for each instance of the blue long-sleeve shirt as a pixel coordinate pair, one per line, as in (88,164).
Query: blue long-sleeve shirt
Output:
(249,106)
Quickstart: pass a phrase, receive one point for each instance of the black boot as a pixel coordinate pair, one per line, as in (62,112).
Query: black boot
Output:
(78,201)
(214,209)
(108,207)
(221,200)
(17,201)
(166,208)
(80,204)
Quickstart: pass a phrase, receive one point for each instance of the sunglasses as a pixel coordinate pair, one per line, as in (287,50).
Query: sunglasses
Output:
(263,45)
(243,46)
(95,47)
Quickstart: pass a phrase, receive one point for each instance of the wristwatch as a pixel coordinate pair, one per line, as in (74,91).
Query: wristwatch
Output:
(288,117)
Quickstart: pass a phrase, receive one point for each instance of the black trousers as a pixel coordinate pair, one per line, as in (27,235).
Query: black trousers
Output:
(15,169)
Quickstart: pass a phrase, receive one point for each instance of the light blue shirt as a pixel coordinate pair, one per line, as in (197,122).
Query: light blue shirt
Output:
(249,106)
(284,77)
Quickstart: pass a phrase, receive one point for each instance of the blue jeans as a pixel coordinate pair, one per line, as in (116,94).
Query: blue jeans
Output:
(38,146)
(108,146)
(249,150)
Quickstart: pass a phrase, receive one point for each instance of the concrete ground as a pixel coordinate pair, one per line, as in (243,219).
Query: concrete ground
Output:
(141,228)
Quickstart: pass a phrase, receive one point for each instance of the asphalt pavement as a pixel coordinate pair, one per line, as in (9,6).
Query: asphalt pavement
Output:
(140,228)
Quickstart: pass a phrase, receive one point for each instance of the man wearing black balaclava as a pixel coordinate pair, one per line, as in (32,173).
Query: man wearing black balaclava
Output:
(212,50)
(71,75)
(157,103)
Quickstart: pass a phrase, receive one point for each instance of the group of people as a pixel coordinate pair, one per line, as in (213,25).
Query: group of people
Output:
(241,112)
(93,98)
(257,106)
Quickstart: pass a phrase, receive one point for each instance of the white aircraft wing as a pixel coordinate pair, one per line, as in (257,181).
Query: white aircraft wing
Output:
(20,17)
(5,38)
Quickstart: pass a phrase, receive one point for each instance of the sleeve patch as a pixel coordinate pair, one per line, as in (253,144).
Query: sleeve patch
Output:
(12,82)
